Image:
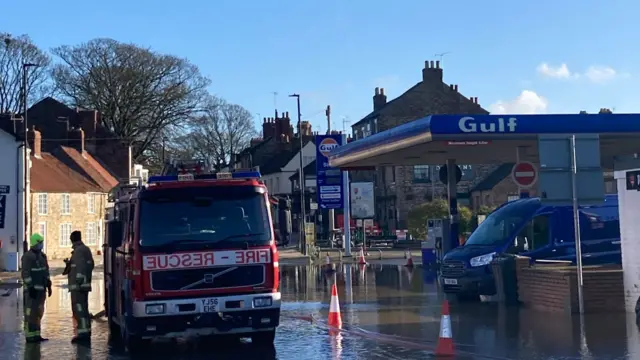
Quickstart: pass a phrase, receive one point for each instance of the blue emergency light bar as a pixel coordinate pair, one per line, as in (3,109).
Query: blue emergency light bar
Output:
(216,176)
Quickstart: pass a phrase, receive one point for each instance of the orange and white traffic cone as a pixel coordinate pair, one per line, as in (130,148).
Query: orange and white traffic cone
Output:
(409,261)
(445,340)
(363,260)
(335,319)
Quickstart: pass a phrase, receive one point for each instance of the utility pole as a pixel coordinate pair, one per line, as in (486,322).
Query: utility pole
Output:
(331,214)
(303,240)
(25,183)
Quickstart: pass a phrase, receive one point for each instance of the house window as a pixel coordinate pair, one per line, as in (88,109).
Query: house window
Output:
(421,173)
(65,233)
(42,230)
(91,203)
(43,204)
(91,234)
(65,204)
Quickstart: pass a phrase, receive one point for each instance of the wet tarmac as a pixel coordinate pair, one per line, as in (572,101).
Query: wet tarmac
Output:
(388,312)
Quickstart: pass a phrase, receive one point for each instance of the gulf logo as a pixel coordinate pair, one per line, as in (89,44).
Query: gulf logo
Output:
(326,145)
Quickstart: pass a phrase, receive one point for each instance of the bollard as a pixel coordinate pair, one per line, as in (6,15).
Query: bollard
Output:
(380,256)
(340,255)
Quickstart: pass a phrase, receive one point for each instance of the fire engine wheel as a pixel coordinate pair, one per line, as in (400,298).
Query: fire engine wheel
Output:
(135,344)
(263,337)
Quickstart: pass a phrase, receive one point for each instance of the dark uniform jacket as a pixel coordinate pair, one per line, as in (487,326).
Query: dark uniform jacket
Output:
(35,270)
(80,268)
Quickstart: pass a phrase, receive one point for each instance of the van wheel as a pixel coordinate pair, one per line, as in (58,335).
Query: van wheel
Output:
(264,338)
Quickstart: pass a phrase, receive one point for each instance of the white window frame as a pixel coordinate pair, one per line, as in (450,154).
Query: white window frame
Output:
(63,239)
(65,210)
(91,203)
(43,204)
(91,234)
(43,225)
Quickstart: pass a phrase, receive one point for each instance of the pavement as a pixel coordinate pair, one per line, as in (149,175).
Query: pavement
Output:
(388,312)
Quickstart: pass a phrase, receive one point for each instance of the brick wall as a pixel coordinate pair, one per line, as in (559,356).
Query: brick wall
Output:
(553,288)
(78,218)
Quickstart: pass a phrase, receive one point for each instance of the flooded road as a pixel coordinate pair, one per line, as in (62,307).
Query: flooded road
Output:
(388,312)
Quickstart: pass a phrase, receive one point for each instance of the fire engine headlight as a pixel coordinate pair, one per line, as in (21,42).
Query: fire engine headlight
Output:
(262,302)
(154,309)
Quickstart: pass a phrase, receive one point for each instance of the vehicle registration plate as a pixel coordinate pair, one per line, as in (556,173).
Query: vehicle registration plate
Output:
(450,282)
(210,305)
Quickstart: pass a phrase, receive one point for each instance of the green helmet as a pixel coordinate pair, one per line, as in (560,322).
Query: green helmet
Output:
(35,239)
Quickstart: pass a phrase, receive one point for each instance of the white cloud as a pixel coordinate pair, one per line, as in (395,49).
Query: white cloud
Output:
(528,102)
(559,72)
(599,74)
(594,73)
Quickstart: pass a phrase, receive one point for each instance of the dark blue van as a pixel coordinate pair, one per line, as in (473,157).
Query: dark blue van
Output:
(529,228)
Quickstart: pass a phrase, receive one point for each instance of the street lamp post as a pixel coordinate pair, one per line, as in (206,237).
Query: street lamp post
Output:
(303,240)
(25,183)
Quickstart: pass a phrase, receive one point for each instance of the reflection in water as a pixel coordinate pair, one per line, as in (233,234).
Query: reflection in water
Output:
(392,300)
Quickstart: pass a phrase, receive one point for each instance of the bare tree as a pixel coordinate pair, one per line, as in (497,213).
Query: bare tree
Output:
(14,52)
(139,93)
(221,130)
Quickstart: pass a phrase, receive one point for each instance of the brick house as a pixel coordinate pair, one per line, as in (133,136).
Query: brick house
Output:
(400,188)
(54,120)
(68,192)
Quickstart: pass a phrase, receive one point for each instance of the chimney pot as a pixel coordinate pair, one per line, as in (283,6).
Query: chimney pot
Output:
(381,91)
(432,65)
(437,64)
(377,91)
(476,99)
(455,87)
(426,64)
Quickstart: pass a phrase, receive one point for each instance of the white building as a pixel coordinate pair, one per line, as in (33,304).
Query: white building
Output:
(12,208)
(276,175)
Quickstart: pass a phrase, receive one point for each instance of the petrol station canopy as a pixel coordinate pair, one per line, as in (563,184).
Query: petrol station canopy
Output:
(484,139)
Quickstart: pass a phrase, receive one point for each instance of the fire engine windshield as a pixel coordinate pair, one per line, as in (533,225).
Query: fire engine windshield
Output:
(198,217)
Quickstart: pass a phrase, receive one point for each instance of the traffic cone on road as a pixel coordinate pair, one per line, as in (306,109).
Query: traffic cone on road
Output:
(445,340)
(363,260)
(409,261)
(335,319)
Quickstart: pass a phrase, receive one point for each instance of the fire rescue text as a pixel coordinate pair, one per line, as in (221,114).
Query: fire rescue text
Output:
(206,259)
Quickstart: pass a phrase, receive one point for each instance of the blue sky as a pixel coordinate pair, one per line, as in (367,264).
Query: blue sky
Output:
(510,54)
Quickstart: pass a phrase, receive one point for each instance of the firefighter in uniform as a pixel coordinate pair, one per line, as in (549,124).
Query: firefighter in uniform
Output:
(78,271)
(35,277)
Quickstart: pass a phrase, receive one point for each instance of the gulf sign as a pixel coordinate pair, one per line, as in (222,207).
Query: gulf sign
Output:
(205,259)
(326,145)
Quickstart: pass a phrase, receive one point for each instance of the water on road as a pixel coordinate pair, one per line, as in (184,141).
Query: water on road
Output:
(389,312)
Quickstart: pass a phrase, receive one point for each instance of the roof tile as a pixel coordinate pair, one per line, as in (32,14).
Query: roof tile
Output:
(49,174)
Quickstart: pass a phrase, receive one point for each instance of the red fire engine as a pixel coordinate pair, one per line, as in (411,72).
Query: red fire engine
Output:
(192,255)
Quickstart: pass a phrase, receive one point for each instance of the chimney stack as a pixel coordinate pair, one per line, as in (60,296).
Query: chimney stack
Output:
(379,99)
(432,73)
(76,139)
(35,142)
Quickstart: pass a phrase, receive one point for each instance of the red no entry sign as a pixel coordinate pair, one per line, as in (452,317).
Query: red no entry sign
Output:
(524,174)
